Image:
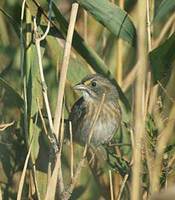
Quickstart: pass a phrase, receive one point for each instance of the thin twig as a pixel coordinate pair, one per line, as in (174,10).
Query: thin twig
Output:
(111,185)
(132,144)
(122,186)
(71,151)
(21,39)
(44,86)
(3,126)
(0,194)
(48,24)
(21,183)
(85,23)
(35,182)
(148,25)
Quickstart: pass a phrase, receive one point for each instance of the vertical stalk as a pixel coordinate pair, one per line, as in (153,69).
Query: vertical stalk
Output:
(71,151)
(119,67)
(0,194)
(148,25)
(119,77)
(23,71)
(51,189)
(85,25)
(111,185)
(139,110)
(149,89)
(64,68)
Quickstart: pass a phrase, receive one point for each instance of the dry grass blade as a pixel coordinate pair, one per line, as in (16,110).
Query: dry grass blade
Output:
(111,185)
(56,176)
(64,68)
(71,151)
(148,25)
(153,98)
(119,64)
(21,183)
(51,188)
(85,25)
(4,126)
(44,86)
(130,78)
(122,186)
(162,34)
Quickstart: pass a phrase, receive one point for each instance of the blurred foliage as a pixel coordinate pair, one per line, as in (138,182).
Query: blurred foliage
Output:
(166,7)
(106,23)
(158,57)
(112,17)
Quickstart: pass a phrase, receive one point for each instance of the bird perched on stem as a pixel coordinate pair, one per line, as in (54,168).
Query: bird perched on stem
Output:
(94,88)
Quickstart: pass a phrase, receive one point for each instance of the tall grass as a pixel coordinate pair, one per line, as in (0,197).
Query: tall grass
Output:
(46,50)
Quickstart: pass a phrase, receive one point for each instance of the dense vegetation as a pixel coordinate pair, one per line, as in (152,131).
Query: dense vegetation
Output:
(133,44)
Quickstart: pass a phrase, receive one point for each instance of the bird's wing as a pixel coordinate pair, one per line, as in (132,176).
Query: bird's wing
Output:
(78,110)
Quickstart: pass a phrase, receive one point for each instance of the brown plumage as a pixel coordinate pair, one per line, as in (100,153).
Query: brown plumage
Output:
(93,87)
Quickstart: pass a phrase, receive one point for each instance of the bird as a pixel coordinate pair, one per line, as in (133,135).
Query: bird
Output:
(94,88)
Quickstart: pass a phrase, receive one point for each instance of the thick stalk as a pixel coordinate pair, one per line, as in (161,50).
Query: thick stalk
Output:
(139,110)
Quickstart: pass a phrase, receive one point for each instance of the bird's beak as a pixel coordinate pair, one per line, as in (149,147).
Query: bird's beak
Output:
(79,86)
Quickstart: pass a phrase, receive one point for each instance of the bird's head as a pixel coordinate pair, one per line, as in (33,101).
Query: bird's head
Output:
(95,86)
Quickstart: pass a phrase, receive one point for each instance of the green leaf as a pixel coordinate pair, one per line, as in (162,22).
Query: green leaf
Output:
(87,53)
(165,8)
(17,99)
(161,59)
(12,21)
(75,63)
(112,17)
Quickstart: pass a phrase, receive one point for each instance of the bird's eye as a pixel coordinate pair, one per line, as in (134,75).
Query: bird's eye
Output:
(93,83)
